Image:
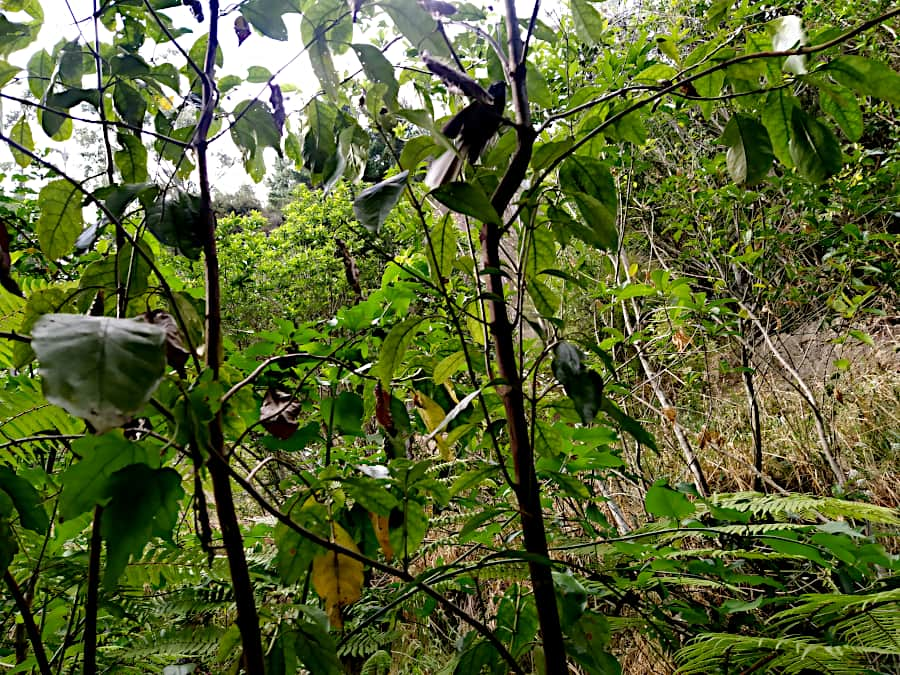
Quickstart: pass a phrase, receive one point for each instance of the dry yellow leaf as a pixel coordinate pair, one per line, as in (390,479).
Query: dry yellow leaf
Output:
(337,578)
(382,533)
(432,415)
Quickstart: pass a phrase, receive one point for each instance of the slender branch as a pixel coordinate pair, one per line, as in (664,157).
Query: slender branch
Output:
(92,596)
(511,391)
(247,616)
(34,635)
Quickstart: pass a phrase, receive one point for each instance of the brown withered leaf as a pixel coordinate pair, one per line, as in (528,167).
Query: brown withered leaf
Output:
(670,413)
(6,279)
(279,412)
(176,355)
(241,29)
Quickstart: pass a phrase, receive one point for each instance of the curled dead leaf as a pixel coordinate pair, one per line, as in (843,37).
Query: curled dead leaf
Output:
(279,412)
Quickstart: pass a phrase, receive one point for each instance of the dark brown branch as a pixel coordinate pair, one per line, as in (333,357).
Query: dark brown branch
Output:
(92,596)
(34,635)
(511,391)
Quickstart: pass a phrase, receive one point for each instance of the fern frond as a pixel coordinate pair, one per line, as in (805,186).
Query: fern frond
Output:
(806,507)
(725,652)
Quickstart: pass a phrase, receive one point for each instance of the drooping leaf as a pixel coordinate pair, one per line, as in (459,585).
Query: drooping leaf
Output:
(102,369)
(61,219)
(21,134)
(629,424)
(143,503)
(131,160)
(378,69)
(278,414)
(129,103)
(174,219)
(814,149)
(841,106)
(345,412)
(337,578)
(590,26)
(417,26)
(776,116)
(588,183)
(26,499)
(749,156)
(255,129)
(583,385)
(441,248)
(241,29)
(266,17)
(374,204)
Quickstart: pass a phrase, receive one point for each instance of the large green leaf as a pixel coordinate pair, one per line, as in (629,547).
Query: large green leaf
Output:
(665,502)
(61,219)
(85,483)
(590,26)
(394,348)
(131,160)
(588,183)
(175,220)
(99,368)
(26,500)
(841,105)
(129,103)
(372,205)
(583,385)
(417,25)
(378,69)
(868,77)
(143,503)
(21,134)
(814,148)
(468,200)
(776,116)
(441,248)
(749,156)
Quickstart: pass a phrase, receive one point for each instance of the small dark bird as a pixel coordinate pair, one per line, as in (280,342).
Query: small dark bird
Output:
(471,129)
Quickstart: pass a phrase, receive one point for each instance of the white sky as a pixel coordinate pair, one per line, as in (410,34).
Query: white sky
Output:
(60,23)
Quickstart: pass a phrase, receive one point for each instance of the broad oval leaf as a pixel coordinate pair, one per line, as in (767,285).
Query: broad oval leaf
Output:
(337,578)
(468,200)
(749,156)
(99,368)
(814,148)
(61,219)
(667,503)
(868,77)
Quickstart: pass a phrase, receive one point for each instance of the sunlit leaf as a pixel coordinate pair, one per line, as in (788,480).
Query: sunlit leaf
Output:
(337,578)
(61,219)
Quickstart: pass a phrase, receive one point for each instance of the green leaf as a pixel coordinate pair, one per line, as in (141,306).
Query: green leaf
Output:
(629,425)
(143,503)
(394,348)
(776,116)
(99,368)
(129,103)
(867,77)
(61,219)
(749,157)
(258,74)
(841,106)
(372,495)
(591,187)
(266,17)
(40,70)
(469,200)
(590,26)
(131,160)
(709,86)
(174,219)
(408,533)
(441,248)
(7,72)
(346,411)
(538,89)
(665,502)
(814,148)
(546,153)
(255,129)
(26,500)
(85,483)
(583,385)
(448,366)
(545,300)
(374,204)
(378,69)
(21,134)
(417,26)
